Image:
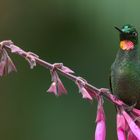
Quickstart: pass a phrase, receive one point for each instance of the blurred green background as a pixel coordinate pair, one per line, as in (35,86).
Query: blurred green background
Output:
(78,33)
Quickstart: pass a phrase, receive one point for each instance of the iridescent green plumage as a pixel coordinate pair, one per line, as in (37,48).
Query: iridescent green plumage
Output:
(125,71)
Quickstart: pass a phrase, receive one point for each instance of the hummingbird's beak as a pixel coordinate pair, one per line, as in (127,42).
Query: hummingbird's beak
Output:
(118,29)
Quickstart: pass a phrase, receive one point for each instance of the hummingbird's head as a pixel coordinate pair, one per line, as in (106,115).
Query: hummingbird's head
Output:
(128,37)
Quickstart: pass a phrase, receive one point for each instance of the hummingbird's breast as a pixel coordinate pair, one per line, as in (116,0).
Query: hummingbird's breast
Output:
(125,81)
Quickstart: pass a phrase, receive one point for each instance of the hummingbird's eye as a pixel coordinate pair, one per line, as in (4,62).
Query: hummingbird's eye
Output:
(134,34)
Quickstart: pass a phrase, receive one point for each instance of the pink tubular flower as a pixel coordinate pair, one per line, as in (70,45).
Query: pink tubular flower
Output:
(6,64)
(81,85)
(131,136)
(100,132)
(30,57)
(85,93)
(136,111)
(132,125)
(57,86)
(121,126)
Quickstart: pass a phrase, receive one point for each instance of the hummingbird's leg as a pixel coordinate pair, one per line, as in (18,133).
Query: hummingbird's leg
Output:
(137,119)
(130,108)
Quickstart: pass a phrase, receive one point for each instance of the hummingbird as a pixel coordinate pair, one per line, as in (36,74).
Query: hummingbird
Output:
(125,70)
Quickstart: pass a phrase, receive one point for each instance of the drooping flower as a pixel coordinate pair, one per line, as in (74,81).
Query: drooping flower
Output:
(132,124)
(136,111)
(85,93)
(100,132)
(81,85)
(131,136)
(29,56)
(6,64)
(57,86)
(121,126)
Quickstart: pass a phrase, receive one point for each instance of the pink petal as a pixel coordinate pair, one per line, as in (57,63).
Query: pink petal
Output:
(10,65)
(91,93)
(52,88)
(57,87)
(6,64)
(121,127)
(100,110)
(131,136)
(136,111)
(85,94)
(100,132)
(61,88)
(67,70)
(134,128)
(121,134)
(2,65)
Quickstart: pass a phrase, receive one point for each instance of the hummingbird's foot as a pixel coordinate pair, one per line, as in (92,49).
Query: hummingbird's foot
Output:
(130,108)
(137,119)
